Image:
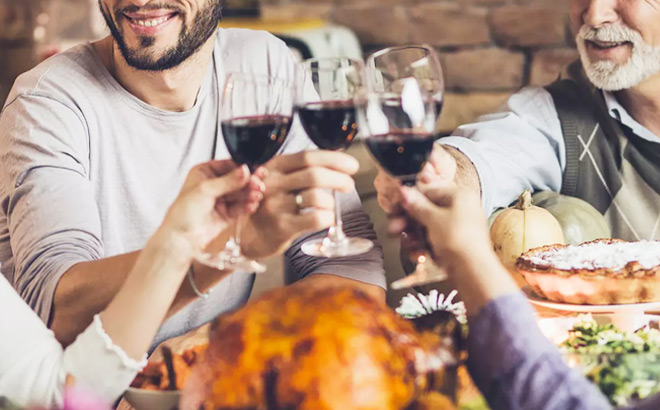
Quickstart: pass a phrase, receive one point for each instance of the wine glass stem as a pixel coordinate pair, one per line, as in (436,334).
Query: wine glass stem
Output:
(336,232)
(234,243)
(418,256)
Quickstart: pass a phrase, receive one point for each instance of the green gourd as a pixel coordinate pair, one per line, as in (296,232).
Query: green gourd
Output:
(580,221)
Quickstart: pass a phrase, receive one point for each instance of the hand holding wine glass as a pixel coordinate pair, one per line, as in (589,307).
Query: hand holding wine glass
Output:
(256,115)
(297,199)
(441,167)
(327,113)
(387,70)
(399,131)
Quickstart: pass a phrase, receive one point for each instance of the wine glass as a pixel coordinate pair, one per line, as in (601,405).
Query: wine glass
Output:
(387,68)
(326,109)
(399,132)
(255,117)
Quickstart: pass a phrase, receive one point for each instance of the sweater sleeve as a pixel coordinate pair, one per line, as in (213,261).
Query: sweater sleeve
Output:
(517,368)
(34,367)
(48,212)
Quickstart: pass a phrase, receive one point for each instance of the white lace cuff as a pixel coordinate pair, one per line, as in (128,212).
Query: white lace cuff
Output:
(112,348)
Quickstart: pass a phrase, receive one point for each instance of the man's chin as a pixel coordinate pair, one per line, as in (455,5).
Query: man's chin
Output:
(626,67)
(605,74)
(142,60)
(608,76)
(609,58)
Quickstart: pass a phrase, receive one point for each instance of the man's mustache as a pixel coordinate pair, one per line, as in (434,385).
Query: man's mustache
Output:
(147,7)
(609,33)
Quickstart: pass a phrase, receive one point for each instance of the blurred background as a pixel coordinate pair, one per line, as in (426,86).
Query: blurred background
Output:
(489,49)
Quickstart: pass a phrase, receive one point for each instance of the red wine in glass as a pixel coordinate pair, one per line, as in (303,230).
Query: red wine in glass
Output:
(331,125)
(253,141)
(402,154)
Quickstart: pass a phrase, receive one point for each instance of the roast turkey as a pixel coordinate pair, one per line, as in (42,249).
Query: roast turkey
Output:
(321,349)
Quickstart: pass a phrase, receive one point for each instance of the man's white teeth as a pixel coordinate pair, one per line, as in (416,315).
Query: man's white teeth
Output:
(607,44)
(151,23)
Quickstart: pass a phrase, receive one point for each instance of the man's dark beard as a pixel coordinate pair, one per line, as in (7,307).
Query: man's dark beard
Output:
(190,41)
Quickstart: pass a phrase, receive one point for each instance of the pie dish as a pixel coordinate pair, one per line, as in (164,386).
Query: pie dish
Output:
(601,272)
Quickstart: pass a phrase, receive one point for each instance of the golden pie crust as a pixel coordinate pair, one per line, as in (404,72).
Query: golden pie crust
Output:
(632,284)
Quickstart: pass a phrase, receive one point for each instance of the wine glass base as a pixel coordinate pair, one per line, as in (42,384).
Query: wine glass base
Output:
(225,261)
(349,247)
(423,275)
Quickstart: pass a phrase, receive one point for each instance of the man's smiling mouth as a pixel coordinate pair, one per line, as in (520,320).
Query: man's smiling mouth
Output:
(605,45)
(150,19)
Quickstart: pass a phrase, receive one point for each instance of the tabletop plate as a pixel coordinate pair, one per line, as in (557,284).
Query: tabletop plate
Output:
(637,307)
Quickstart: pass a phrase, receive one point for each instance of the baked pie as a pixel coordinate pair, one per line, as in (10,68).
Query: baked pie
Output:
(601,272)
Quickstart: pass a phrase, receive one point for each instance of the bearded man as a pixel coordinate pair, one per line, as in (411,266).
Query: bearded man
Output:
(96,142)
(593,134)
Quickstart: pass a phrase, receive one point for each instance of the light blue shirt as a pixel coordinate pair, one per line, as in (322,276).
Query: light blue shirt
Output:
(522,146)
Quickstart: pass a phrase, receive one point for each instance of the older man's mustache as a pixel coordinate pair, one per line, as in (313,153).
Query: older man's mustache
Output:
(610,33)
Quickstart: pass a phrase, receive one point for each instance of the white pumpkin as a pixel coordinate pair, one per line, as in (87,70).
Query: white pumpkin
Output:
(523,227)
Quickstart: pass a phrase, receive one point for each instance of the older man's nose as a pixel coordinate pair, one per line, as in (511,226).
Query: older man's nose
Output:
(601,12)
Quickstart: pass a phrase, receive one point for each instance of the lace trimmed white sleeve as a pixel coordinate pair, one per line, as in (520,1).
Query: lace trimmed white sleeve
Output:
(33,366)
(99,365)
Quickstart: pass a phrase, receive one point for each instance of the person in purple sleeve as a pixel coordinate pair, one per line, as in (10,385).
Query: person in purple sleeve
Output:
(511,362)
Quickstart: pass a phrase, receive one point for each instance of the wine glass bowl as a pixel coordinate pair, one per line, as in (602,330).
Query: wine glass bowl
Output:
(255,140)
(325,104)
(330,125)
(256,115)
(399,129)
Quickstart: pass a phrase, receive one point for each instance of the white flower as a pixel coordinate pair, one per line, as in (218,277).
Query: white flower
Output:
(413,306)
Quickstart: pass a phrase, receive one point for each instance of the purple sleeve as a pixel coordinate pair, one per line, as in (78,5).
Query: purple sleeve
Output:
(516,367)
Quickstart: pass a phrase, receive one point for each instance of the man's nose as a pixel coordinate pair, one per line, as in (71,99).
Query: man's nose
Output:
(601,12)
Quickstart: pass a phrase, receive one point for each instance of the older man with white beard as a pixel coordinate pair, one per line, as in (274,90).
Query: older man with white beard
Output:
(593,134)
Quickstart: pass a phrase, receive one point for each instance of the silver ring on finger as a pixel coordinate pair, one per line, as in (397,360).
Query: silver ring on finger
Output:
(299,202)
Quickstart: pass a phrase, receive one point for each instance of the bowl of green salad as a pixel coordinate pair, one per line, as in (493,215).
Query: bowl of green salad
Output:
(624,365)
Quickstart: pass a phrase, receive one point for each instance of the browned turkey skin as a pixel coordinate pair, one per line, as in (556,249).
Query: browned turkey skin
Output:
(318,349)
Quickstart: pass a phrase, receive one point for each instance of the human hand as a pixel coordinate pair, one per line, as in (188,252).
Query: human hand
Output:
(312,175)
(455,223)
(214,194)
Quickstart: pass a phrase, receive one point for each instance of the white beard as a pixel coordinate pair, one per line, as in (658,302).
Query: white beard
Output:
(644,61)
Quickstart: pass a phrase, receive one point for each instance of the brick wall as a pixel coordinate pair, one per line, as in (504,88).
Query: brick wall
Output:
(489,48)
